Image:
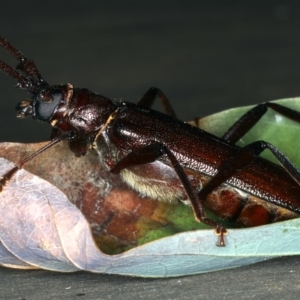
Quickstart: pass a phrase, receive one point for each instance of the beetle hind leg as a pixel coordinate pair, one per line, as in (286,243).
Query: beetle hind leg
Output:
(250,118)
(150,154)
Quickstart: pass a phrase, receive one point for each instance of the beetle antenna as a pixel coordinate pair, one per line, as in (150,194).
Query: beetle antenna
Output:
(32,81)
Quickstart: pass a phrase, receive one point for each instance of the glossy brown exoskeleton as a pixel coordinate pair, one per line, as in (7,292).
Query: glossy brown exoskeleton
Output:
(162,157)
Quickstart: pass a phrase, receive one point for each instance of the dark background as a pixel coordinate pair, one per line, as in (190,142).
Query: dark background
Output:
(205,57)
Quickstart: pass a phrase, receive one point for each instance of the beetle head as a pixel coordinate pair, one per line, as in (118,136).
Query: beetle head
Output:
(41,105)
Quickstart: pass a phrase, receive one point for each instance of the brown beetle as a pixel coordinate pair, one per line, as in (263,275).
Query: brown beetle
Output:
(162,157)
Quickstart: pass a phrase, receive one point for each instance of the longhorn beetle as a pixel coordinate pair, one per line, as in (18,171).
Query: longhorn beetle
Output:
(161,157)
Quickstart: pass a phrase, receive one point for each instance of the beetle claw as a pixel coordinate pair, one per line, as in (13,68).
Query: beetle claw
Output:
(221,232)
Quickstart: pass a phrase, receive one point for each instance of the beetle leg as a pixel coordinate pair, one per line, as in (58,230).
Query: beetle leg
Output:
(250,118)
(241,159)
(148,100)
(150,154)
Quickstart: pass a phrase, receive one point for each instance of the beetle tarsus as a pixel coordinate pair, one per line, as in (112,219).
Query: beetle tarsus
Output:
(221,232)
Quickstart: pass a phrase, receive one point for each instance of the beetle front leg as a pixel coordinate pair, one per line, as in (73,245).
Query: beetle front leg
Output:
(148,100)
(150,154)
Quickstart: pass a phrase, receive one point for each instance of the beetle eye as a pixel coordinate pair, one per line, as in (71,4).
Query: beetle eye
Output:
(46,105)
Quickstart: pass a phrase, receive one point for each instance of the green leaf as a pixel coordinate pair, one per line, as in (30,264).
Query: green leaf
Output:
(195,252)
